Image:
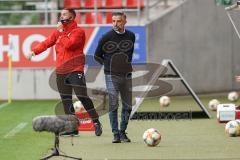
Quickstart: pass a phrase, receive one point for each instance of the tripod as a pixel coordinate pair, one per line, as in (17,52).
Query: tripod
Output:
(55,151)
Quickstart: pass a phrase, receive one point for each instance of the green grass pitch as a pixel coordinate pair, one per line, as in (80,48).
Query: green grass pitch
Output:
(181,139)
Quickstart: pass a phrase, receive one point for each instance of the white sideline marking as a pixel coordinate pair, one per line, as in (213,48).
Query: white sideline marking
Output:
(15,130)
(4,105)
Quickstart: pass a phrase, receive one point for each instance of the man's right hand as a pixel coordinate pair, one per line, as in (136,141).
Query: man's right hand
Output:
(60,27)
(30,55)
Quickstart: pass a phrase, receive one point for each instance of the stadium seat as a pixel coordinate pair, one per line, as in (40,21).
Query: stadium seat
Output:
(90,3)
(90,18)
(108,17)
(114,4)
(78,18)
(134,4)
(72,3)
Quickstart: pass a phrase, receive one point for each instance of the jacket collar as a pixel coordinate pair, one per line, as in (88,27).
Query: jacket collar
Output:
(69,26)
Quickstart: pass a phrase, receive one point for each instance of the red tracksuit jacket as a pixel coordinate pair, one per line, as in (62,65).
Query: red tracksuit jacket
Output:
(69,46)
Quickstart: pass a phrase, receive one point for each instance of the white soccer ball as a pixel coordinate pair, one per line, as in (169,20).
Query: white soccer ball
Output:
(78,107)
(151,137)
(233,96)
(213,104)
(238,121)
(232,128)
(164,101)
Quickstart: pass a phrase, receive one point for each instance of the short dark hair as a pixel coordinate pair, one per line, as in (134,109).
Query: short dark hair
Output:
(119,14)
(70,10)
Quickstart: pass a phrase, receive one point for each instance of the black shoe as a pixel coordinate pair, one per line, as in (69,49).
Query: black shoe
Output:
(68,134)
(98,129)
(116,138)
(123,137)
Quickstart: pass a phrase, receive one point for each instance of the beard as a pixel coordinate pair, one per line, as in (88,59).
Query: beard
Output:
(116,28)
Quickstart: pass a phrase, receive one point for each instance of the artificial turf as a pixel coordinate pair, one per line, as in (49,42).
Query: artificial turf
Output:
(181,139)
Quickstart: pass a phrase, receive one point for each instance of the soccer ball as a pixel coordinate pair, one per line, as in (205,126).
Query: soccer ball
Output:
(164,101)
(232,128)
(213,104)
(151,137)
(233,96)
(78,107)
(238,121)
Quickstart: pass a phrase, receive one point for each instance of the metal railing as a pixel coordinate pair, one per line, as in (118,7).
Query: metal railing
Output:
(47,11)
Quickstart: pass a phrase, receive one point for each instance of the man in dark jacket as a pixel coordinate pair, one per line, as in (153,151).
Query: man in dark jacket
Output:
(115,51)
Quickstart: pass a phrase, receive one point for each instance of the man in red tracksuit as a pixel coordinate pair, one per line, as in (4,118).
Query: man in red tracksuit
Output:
(69,41)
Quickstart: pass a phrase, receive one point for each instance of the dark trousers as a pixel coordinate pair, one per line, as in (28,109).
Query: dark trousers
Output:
(75,81)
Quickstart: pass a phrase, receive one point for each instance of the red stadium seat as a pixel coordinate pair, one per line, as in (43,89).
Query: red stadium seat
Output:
(108,17)
(134,3)
(90,18)
(114,4)
(90,3)
(78,18)
(72,3)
